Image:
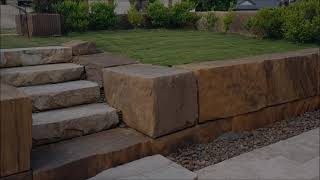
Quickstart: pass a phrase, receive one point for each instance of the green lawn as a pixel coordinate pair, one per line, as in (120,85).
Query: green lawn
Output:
(166,47)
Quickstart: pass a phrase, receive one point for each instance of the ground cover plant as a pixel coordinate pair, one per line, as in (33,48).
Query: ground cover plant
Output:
(166,47)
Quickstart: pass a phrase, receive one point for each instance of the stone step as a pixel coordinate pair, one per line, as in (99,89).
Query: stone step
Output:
(41,74)
(34,56)
(84,157)
(152,167)
(61,95)
(60,124)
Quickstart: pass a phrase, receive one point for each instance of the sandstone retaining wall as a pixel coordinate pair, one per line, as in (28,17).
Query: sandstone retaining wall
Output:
(232,88)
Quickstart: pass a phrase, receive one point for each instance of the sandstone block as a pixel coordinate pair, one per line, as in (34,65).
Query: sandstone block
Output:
(154,100)
(292,76)
(272,114)
(94,64)
(15,131)
(152,167)
(41,74)
(56,125)
(80,47)
(229,88)
(53,96)
(34,56)
(86,156)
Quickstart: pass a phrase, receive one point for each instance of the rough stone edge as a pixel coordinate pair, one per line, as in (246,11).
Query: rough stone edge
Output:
(195,67)
(201,133)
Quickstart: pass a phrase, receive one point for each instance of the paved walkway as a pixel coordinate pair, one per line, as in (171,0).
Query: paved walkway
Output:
(294,158)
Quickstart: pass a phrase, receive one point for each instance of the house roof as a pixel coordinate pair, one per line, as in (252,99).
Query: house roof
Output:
(256,4)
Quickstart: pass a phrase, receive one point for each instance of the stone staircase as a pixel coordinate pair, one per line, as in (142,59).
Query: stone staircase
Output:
(64,105)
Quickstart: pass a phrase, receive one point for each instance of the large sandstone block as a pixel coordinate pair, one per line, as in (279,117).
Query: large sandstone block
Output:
(86,156)
(94,64)
(41,74)
(292,76)
(66,123)
(272,114)
(229,88)
(153,99)
(80,47)
(34,56)
(15,131)
(60,95)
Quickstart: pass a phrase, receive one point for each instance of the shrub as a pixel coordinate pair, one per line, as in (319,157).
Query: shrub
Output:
(181,15)
(211,19)
(135,18)
(301,23)
(159,14)
(45,6)
(227,20)
(216,5)
(102,16)
(75,15)
(268,23)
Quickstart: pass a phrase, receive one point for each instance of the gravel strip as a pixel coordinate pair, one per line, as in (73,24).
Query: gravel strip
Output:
(198,156)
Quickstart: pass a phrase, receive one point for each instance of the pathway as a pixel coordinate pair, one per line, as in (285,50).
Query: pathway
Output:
(294,158)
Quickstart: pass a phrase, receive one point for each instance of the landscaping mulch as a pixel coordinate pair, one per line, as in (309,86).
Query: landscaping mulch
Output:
(198,156)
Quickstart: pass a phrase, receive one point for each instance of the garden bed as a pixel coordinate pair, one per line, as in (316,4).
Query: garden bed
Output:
(166,47)
(228,145)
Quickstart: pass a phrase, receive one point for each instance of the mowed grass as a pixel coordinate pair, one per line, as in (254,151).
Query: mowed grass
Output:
(166,47)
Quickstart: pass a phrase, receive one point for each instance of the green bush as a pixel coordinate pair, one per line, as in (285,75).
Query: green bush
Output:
(211,19)
(135,18)
(181,15)
(177,16)
(75,15)
(102,16)
(301,23)
(227,20)
(45,6)
(159,14)
(268,23)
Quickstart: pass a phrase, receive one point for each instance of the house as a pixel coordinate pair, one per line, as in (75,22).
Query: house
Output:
(259,4)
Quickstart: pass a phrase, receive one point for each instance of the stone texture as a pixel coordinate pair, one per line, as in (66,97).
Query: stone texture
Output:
(80,47)
(272,114)
(89,155)
(56,125)
(15,131)
(34,56)
(53,96)
(229,88)
(154,100)
(94,64)
(84,157)
(41,74)
(292,77)
(20,176)
(294,158)
(152,167)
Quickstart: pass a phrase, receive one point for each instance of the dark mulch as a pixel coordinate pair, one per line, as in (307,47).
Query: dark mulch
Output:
(197,156)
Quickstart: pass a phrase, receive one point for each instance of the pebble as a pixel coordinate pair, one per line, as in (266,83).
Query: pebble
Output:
(198,156)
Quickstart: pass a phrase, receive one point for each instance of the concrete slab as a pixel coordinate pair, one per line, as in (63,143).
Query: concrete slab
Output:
(152,168)
(282,160)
